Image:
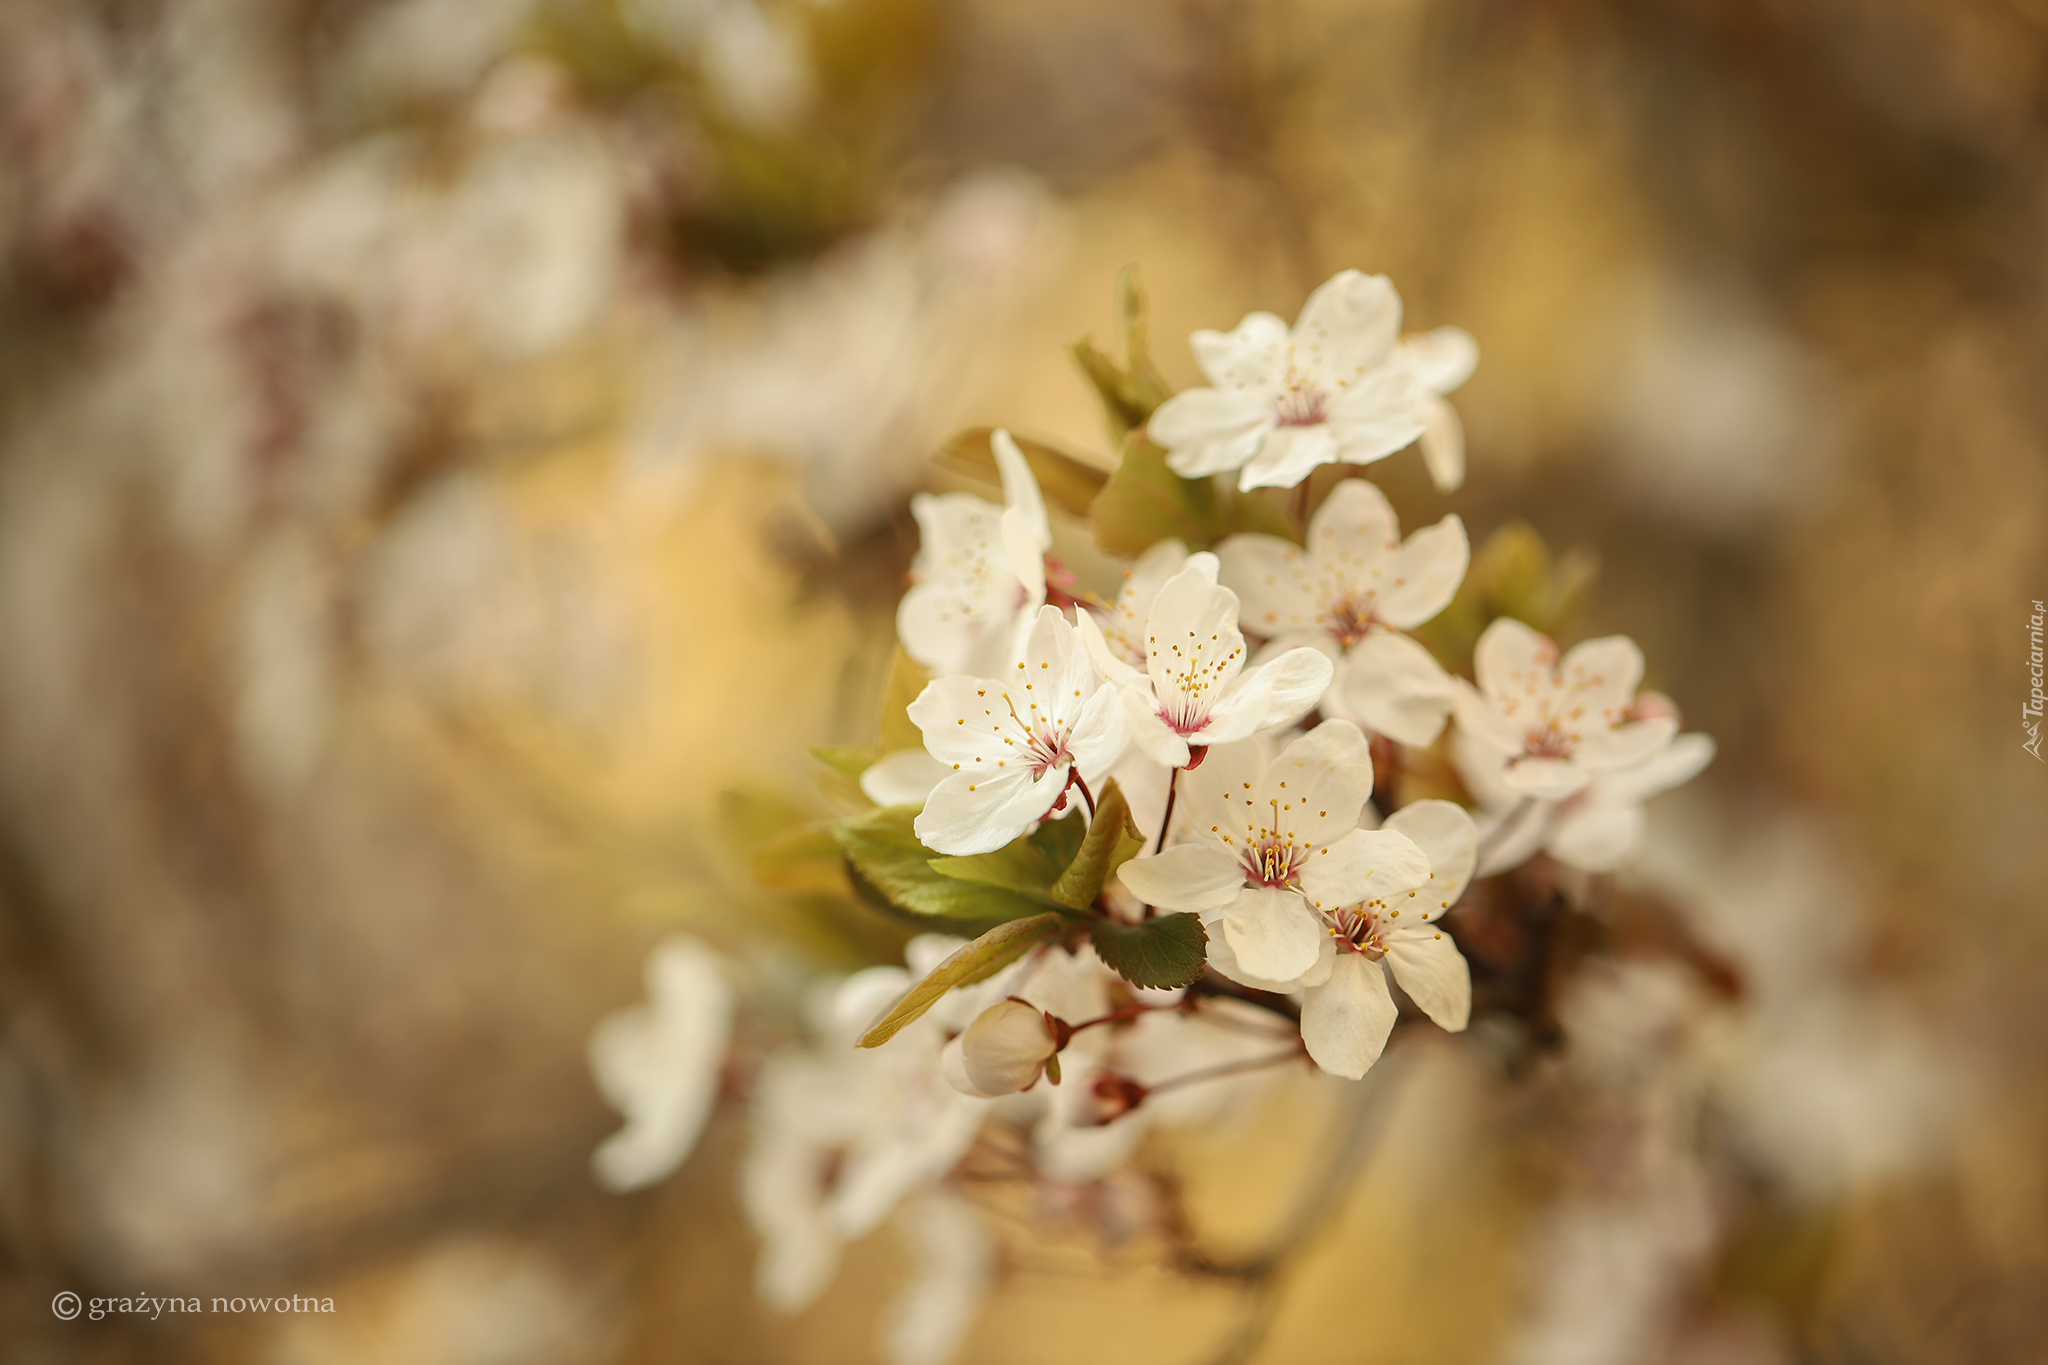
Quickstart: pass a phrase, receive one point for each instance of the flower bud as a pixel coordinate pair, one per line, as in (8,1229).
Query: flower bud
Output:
(1007,1047)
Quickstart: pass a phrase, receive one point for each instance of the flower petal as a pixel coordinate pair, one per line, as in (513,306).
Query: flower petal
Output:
(1448,837)
(1511,662)
(1025,555)
(1225,962)
(972,812)
(1440,360)
(1020,489)
(1123,627)
(1272,582)
(1597,837)
(1685,759)
(1346,1020)
(1396,688)
(1433,972)
(960,721)
(1424,574)
(1326,776)
(1355,524)
(1546,779)
(1210,431)
(1272,932)
(904,778)
(1294,682)
(1366,864)
(1197,876)
(1602,675)
(1482,722)
(1193,646)
(1288,455)
(1347,328)
(1251,357)
(1375,417)
(1627,745)
(1443,444)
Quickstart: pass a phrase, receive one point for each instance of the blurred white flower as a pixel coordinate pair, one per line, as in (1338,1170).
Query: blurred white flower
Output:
(851,367)
(1554,724)
(659,1064)
(1194,690)
(953,1258)
(1284,402)
(979,574)
(1596,829)
(1015,744)
(1351,593)
(1276,845)
(841,1135)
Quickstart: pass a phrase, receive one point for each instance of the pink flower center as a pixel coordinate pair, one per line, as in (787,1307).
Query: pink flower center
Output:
(1045,741)
(1301,406)
(1549,742)
(1359,930)
(1275,860)
(1351,620)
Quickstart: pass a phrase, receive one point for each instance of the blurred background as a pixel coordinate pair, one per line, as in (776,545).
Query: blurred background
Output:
(455,455)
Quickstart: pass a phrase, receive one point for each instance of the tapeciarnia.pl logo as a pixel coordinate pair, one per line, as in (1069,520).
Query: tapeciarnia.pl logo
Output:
(2030,714)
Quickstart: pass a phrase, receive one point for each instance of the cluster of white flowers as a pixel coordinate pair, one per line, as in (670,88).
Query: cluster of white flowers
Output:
(1164,801)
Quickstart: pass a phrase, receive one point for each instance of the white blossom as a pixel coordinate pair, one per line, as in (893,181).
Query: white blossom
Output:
(1595,829)
(1554,723)
(842,1135)
(1275,845)
(979,574)
(1350,593)
(1347,1011)
(1194,690)
(954,1258)
(659,1064)
(1281,402)
(1014,744)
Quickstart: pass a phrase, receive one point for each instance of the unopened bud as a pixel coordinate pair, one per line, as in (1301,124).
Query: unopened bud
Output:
(1007,1047)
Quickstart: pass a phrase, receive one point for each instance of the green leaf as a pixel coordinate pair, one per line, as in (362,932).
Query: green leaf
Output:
(1061,839)
(1068,481)
(1145,502)
(1113,838)
(889,861)
(1020,865)
(1132,388)
(978,961)
(848,760)
(1161,953)
(805,860)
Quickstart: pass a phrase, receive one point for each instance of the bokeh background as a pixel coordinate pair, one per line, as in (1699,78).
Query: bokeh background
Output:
(454,457)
